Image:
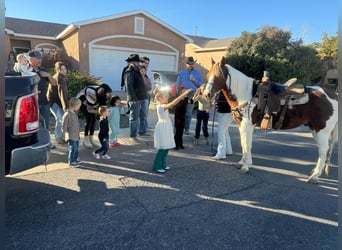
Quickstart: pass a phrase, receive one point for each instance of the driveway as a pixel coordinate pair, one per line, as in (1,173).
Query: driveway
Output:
(199,204)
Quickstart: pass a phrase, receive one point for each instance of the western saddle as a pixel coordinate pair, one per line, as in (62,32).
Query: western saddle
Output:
(275,99)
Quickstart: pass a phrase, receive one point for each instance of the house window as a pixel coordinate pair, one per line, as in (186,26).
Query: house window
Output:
(139,25)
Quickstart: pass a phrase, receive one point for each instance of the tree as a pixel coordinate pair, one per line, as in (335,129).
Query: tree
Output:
(272,49)
(328,47)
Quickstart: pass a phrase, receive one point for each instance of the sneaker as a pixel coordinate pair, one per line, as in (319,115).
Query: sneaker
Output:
(117,143)
(112,144)
(196,142)
(52,146)
(160,170)
(146,134)
(107,157)
(186,132)
(74,164)
(167,168)
(97,156)
(134,139)
(218,158)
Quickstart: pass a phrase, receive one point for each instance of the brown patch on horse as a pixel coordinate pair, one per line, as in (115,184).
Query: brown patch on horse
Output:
(313,114)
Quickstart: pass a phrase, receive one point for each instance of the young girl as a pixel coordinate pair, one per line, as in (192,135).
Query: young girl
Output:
(103,134)
(71,130)
(116,110)
(163,132)
(202,115)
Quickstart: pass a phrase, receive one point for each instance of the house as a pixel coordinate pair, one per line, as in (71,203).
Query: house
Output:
(100,46)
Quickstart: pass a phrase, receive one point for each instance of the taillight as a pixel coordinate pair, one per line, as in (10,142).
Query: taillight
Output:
(26,119)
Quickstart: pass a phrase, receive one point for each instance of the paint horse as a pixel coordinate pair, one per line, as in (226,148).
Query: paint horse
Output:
(320,113)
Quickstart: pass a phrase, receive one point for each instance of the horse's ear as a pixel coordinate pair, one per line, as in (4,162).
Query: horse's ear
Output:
(223,60)
(212,61)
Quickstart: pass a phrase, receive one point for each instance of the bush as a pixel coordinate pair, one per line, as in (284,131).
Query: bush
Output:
(77,81)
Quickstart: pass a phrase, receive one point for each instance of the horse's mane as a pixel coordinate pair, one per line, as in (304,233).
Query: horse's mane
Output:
(241,85)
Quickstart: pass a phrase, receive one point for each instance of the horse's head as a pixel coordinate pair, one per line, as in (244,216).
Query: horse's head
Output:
(217,77)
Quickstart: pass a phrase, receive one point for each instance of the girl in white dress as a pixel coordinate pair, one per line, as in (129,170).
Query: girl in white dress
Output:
(163,132)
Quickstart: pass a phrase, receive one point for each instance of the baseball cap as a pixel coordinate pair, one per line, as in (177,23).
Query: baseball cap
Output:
(35,53)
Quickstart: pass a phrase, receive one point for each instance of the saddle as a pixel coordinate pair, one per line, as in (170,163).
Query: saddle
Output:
(276,99)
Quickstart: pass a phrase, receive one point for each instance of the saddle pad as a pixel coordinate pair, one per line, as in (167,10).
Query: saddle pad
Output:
(295,100)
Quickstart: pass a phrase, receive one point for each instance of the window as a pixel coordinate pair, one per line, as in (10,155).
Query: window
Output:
(139,25)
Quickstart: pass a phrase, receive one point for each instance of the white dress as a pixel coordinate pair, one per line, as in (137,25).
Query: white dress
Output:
(163,132)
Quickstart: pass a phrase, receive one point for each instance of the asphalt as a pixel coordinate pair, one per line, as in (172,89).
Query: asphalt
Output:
(200,203)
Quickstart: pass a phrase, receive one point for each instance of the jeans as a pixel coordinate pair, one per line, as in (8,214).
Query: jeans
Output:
(73,151)
(188,115)
(224,143)
(202,120)
(104,147)
(58,113)
(44,111)
(89,128)
(135,115)
(143,117)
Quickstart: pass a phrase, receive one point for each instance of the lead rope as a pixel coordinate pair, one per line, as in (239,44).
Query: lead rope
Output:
(212,135)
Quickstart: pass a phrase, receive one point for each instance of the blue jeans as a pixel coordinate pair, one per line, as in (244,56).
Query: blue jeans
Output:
(188,115)
(202,120)
(104,147)
(73,151)
(44,111)
(143,117)
(58,113)
(134,116)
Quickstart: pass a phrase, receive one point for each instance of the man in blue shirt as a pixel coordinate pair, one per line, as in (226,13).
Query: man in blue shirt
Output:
(189,78)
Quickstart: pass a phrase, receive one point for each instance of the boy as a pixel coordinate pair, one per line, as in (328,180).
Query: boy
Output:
(71,130)
(103,134)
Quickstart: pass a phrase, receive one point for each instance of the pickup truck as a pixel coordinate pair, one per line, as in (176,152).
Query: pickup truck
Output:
(27,139)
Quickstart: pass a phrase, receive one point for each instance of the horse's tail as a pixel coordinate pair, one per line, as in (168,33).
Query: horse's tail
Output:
(332,140)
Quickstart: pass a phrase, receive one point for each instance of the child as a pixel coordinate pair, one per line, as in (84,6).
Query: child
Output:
(71,130)
(22,64)
(163,132)
(116,110)
(103,134)
(180,114)
(202,114)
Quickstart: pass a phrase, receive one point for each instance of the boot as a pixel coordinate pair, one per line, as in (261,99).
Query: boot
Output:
(86,142)
(92,143)
(207,141)
(196,143)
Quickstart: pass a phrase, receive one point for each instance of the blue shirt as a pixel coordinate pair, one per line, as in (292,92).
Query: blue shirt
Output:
(184,79)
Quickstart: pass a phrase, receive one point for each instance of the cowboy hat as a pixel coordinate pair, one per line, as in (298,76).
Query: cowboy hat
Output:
(190,60)
(134,58)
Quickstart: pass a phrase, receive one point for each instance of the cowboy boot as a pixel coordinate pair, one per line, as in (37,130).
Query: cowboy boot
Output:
(196,143)
(86,142)
(92,143)
(207,140)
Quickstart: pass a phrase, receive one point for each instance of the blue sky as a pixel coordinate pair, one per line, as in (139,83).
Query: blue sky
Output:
(306,19)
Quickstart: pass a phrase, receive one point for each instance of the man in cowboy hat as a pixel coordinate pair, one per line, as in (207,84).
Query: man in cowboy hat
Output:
(136,95)
(190,78)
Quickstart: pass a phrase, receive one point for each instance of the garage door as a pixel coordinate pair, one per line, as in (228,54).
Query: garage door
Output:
(107,63)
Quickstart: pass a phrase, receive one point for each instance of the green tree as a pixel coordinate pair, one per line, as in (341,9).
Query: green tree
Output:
(328,47)
(273,50)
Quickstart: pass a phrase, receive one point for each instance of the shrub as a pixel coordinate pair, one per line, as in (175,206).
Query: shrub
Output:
(77,81)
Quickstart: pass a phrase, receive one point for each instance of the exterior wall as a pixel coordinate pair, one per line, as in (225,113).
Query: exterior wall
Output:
(203,57)
(71,46)
(120,33)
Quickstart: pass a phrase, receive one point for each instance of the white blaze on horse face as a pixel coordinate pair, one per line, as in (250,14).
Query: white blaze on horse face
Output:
(209,86)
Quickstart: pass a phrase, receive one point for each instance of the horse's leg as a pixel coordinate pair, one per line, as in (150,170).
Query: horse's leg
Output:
(246,135)
(322,140)
(332,140)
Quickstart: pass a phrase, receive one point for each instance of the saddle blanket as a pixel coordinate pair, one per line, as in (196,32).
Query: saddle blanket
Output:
(295,100)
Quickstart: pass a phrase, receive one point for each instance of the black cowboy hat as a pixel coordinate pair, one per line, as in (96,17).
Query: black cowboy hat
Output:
(134,58)
(190,60)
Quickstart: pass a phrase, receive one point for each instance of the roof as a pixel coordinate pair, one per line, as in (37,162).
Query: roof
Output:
(206,43)
(25,27)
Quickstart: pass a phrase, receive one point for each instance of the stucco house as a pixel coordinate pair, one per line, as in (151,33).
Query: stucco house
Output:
(100,46)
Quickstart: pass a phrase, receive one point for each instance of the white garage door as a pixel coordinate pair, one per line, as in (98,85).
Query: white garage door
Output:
(107,63)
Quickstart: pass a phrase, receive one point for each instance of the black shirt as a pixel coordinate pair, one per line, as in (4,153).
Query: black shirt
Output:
(221,104)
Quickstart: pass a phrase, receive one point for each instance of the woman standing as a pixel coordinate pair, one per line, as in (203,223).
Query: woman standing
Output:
(57,96)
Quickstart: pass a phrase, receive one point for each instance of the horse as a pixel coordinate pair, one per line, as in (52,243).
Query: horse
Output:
(319,113)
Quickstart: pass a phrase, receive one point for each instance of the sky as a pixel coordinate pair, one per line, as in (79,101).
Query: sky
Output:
(305,19)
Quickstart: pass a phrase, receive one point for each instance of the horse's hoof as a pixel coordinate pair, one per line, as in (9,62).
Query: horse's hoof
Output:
(244,170)
(313,180)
